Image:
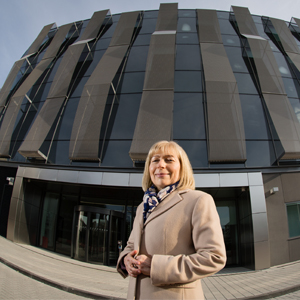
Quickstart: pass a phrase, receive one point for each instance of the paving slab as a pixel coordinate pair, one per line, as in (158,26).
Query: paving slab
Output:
(102,282)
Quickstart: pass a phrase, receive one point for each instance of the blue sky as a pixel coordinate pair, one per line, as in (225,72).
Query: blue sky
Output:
(22,20)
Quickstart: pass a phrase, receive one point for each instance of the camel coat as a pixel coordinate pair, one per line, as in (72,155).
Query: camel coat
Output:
(183,236)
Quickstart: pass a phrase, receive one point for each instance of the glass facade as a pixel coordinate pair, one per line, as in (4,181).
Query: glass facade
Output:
(189,124)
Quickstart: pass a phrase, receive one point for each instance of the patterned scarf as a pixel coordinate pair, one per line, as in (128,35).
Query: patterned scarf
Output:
(152,198)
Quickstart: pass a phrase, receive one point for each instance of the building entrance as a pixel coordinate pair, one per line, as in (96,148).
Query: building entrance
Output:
(97,234)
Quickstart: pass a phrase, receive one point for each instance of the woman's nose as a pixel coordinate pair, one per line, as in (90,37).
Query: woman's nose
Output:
(161,164)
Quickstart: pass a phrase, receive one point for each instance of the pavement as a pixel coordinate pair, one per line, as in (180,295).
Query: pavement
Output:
(80,279)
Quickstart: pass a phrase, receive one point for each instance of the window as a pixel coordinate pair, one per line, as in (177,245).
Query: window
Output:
(293,214)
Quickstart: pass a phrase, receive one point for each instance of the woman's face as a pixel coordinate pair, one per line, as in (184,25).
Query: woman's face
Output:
(164,169)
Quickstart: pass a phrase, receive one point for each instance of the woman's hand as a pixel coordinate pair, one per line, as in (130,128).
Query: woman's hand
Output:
(144,264)
(132,264)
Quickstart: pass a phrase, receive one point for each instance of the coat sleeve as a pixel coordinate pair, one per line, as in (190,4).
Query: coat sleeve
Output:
(130,243)
(210,253)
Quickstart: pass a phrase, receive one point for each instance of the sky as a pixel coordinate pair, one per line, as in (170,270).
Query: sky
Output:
(22,20)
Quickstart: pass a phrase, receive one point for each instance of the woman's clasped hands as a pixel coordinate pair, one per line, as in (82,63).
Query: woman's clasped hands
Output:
(136,265)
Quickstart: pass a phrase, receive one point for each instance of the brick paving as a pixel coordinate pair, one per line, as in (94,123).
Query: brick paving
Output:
(61,274)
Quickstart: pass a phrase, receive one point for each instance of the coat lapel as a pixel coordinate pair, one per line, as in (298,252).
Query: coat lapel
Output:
(165,205)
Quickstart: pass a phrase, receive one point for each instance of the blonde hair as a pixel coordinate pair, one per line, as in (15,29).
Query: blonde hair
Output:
(186,172)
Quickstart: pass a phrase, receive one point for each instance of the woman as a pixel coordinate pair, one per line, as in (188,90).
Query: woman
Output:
(176,238)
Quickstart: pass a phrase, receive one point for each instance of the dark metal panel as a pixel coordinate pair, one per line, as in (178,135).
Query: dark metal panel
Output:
(58,91)
(271,85)
(40,128)
(13,108)
(57,41)
(7,86)
(92,29)
(226,135)
(167,17)
(14,105)
(286,38)
(266,66)
(286,124)
(124,29)
(154,122)
(38,41)
(84,142)
(160,62)
(208,26)
(244,20)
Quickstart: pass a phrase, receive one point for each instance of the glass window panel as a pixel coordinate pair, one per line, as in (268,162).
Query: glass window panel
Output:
(116,155)
(109,33)
(255,123)
(261,31)
(78,86)
(245,83)
(231,40)
(59,153)
(256,19)
(66,123)
(282,65)
(187,38)
(186,25)
(188,81)
(132,82)
(296,106)
(260,154)
(65,223)
(273,46)
(102,44)
(151,14)
(188,57)
(142,39)
(292,87)
(90,65)
(16,156)
(148,26)
(293,215)
(223,15)
(54,69)
(236,60)
(137,59)
(126,116)
(188,113)
(226,27)
(42,92)
(187,13)
(196,151)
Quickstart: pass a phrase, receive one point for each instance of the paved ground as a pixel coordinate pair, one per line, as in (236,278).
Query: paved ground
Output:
(45,275)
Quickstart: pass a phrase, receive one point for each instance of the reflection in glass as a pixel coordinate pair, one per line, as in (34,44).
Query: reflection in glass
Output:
(227,214)
(188,81)
(188,57)
(293,214)
(98,233)
(80,247)
(48,224)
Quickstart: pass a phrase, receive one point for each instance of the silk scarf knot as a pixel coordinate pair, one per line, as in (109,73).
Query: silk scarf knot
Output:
(153,197)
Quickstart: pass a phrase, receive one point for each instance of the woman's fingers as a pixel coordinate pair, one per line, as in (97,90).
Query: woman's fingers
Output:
(131,264)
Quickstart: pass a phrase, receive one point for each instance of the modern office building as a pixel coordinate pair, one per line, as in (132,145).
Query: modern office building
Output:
(81,108)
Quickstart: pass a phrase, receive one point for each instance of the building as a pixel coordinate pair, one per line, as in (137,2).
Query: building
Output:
(81,108)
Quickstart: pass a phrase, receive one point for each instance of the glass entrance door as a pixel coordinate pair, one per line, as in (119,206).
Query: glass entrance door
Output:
(96,233)
(228,218)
